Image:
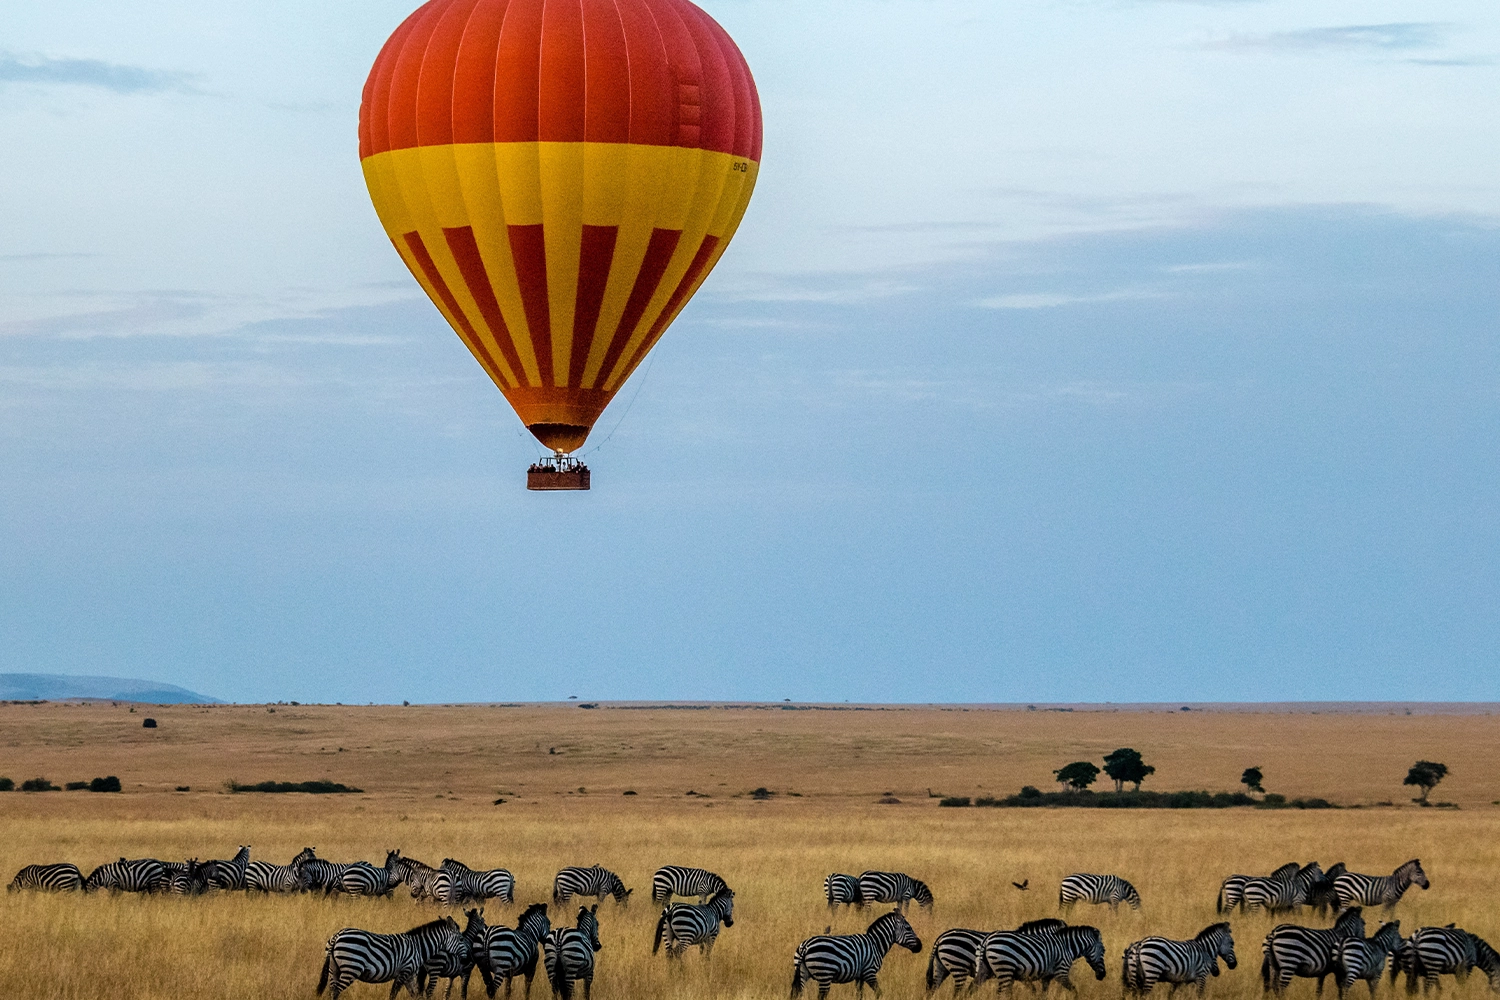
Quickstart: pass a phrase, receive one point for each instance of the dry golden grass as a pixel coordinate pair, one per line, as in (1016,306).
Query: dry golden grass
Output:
(430,775)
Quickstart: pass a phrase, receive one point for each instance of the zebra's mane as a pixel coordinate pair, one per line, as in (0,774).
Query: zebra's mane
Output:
(530,910)
(1350,918)
(433,925)
(1286,871)
(1211,930)
(1044,924)
(884,920)
(1415,864)
(1336,871)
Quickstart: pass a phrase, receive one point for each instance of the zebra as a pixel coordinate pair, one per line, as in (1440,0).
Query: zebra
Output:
(1361,958)
(418,877)
(455,883)
(956,951)
(506,953)
(228,874)
(1155,960)
(267,878)
(61,877)
(325,875)
(364,956)
(595,881)
(1292,950)
(1321,897)
(364,879)
(894,887)
(1372,890)
(1438,951)
(1010,956)
(1232,890)
(851,958)
(684,924)
(569,953)
(1278,894)
(842,890)
(1111,889)
(675,880)
(186,878)
(140,875)
(451,965)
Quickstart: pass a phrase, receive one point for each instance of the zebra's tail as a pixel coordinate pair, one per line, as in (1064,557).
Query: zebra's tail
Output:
(799,971)
(933,981)
(323,979)
(1219,903)
(661,928)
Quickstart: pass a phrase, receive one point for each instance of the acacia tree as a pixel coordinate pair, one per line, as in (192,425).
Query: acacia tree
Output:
(1078,775)
(1425,774)
(1125,765)
(1252,778)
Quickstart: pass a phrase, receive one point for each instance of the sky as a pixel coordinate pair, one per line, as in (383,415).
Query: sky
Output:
(1119,350)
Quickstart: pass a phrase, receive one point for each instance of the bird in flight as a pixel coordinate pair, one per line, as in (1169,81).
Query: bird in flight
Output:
(1022,884)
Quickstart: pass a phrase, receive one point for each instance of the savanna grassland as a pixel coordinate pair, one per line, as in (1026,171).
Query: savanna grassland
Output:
(431,776)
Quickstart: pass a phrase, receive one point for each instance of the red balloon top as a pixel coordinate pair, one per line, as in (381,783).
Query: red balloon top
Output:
(652,72)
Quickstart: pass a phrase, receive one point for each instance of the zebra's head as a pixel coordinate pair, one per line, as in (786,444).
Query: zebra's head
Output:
(1222,941)
(534,922)
(722,903)
(1486,959)
(892,929)
(1412,872)
(474,927)
(1129,895)
(617,889)
(395,871)
(1350,924)
(1388,937)
(303,857)
(588,925)
(1088,944)
(1309,875)
(921,893)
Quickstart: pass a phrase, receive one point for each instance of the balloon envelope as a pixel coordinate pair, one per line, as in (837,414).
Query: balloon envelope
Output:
(560,176)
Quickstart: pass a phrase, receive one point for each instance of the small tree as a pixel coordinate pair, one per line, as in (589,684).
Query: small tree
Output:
(1425,774)
(1078,775)
(1125,765)
(1252,778)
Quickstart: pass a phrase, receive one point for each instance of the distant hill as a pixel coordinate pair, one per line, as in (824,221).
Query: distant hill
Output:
(59,687)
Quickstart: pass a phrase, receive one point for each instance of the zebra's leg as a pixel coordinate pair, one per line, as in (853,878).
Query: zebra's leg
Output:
(874,981)
(1320,983)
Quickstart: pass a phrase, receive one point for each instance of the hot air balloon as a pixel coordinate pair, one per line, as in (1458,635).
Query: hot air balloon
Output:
(560,176)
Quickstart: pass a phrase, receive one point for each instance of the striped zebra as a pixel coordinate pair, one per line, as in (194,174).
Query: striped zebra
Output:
(1232,890)
(851,958)
(842,890)
(1364,958)
(1011,957)
(48,878)
(956,951)
(594,881)
(140,875)
(186,878)
(366,957)
(364,879)
(1155,960)
(1444,951)
(1111,889)
(506,953)
(456,883)
(682,925)
(1322,897)
(1277,895)
(1291,951)
(894,887)
(1351,888)
(228,874)
(451,965)
(418,877)
(675,880)
(263,876)
(569,953)
(325,876)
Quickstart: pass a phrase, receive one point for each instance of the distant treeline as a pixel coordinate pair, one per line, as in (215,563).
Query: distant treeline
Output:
(313,787)
(1031,797)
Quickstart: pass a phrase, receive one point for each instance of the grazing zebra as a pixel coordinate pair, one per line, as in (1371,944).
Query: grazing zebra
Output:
(451,965)
(569,953)
(364,879)
(1009,957)
(842,890)
(675,880)
(851,958)
(418,877)
(1361,958)
(595,881)
(186,878)
(266,877)
(1278,894)
(894,887)
(506,953)
(1444,951)
(228,874)
(48,878)
(1291,950)
(1109,889)
(1232,891)
(1351,888)
(1155,960)
(683,924)
(141,875)
(364,956)
(456,883)
(327,876)
(1321,897)
(956,952)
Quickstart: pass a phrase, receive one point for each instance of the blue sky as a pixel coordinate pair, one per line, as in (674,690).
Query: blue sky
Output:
(1068,351)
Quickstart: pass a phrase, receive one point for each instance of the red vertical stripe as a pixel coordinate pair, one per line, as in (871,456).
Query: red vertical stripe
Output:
(595,255)
(658,256)
(530,252)
(517,69)
(471,265)
(717,101)
(653,120)
(561,95)
(466,329)
(407,73)
(679,298)
(473,112)
(434,107)
(606,115)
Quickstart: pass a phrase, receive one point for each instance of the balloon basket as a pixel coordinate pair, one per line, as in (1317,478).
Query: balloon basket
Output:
(558,472)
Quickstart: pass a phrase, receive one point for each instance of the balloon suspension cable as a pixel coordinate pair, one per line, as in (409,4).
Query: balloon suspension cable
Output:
(628,407)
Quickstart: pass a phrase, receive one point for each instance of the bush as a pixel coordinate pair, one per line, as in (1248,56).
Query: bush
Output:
(762,793)
(147,723)
(1030,792)
(954,801)
(76,786)
(7,785)
(311,787)
(38,785)
(109,784)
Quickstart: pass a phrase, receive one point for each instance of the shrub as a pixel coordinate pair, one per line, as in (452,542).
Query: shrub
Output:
(1030,792)
(76,786)
(311,787)
(7,785)
(111,784)
(954,801)
(38,785)
(762,793)
(147,723)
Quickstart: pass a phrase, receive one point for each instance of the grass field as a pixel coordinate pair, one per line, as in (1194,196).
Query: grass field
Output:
(431,774)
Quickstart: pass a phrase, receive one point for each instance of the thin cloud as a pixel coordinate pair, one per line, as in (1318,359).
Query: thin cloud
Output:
(1051,300)
(1395,36)
(95,73)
